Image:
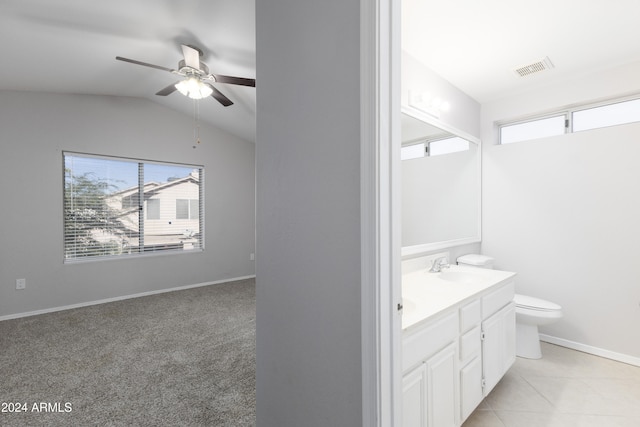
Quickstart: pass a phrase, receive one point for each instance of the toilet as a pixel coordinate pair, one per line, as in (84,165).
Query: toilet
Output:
(530,312)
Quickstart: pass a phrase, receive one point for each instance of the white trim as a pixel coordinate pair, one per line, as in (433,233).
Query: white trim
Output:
(128,159)
(380,238)
(596,351)
(120,298)
(433,121)
(412,251)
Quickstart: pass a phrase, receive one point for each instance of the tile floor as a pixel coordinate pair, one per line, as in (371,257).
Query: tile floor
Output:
(565,388)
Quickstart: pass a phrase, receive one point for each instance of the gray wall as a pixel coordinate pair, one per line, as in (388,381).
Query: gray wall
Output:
(563,213)
(309,370)
(34,130)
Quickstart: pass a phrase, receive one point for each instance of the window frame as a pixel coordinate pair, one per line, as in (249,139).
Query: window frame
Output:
(142,211)
(601,105)
(190,210)
(155,210)
(568,113)
(537,118)
(426,149)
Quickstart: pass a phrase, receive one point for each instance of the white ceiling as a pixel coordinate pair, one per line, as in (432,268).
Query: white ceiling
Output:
(476,44)
(69,46)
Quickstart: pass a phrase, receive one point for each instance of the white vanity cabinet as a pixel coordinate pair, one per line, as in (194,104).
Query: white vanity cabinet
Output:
(429,391)
(487,344)
(453,359)
(430,363)
(498,345)
(470,357)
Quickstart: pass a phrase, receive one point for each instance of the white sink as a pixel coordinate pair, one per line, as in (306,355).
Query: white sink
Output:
(408,305)
(458,276)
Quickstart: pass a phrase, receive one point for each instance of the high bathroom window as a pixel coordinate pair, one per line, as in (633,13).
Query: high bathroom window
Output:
(435,147)
(607,115)
(447,146)
(533,129)
(577,119)
(414,151)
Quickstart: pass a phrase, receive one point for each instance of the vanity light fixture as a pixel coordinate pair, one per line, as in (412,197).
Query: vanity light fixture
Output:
(425,101)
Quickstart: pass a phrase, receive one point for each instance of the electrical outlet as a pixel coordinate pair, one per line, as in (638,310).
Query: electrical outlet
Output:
(252,257)
(21,283)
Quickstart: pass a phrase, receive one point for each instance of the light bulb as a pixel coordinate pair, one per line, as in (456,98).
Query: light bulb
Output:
(193,88)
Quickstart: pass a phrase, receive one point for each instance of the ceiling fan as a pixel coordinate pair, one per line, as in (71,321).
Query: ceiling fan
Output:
(197,80)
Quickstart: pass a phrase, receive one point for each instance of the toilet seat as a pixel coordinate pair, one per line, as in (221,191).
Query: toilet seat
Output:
(536,304)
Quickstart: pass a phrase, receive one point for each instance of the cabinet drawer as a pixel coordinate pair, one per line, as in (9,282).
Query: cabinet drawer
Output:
(470,344)
(470,316)
(424,342)
(497,299)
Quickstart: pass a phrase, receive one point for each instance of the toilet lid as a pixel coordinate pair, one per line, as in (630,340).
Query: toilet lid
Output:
(534,303)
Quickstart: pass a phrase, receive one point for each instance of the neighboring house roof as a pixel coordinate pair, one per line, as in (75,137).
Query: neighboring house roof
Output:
(128,191)
(152,188)
(158,188)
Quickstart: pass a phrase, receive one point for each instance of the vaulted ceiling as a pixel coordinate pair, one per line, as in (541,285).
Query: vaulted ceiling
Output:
(69,46)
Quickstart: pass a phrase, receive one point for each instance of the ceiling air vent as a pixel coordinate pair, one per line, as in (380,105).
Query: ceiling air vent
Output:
(536,67)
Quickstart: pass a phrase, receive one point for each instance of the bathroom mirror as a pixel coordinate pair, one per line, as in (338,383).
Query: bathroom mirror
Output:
(440,184)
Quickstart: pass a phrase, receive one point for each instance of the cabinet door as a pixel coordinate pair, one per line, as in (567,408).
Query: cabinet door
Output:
(510,335)
(498,346)
(442,376)
(414,398)
(470,387)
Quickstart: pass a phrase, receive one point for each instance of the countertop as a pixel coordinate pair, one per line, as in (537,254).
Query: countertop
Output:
(425,294)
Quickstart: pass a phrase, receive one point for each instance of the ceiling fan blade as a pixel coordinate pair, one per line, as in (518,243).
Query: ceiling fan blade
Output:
(191,57)
(133,61)
(167,90)
(219,96)
(234,80)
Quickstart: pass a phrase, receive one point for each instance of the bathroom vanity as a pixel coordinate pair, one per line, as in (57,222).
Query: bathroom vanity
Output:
(458,340)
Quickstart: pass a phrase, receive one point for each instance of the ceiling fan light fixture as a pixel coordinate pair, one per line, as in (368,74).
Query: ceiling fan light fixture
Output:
(194,88)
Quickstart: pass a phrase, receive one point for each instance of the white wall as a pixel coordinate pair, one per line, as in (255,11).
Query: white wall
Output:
(34,130)
(563,212)
(464,111)
(309,369)
(441,197)
(463,115)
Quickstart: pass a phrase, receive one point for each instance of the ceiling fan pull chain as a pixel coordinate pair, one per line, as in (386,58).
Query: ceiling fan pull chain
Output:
(196,123)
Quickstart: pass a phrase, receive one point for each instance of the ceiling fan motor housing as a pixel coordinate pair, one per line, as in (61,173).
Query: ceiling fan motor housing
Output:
(184,68)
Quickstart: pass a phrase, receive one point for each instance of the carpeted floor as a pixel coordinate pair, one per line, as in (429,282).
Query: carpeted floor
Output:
(184,358)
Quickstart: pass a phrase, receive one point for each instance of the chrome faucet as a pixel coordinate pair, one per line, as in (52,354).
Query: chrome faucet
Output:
(438,264)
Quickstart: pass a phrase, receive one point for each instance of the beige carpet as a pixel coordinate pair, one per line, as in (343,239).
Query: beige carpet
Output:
(183,358)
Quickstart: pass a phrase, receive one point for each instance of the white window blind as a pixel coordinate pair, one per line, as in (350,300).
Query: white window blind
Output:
(119,207)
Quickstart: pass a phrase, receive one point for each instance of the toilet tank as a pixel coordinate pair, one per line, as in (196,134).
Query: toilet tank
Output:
(476,260)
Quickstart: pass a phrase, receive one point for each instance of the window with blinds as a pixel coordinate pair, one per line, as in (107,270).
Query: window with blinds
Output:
(116,207)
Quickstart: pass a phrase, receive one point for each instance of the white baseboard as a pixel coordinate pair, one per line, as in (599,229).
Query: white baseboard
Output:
(120,298)
(631,360)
